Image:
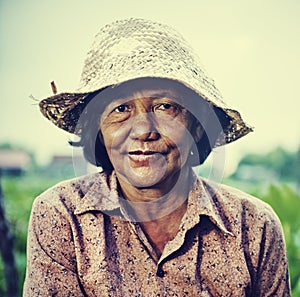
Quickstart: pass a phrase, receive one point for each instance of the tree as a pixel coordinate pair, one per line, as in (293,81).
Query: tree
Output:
(7,252)
(282,163)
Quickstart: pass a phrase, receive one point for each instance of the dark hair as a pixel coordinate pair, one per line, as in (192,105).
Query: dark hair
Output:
(95,152)
(213,128)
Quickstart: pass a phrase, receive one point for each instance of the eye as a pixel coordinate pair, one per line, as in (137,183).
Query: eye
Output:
(122,108)
(166,108)
(118,113)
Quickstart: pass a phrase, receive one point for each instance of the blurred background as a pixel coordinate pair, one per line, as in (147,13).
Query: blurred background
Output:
(251,49)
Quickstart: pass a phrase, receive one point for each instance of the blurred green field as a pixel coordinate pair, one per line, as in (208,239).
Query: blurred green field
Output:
(20,192)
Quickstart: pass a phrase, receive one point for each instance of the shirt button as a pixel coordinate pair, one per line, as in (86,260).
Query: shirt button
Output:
(160,272)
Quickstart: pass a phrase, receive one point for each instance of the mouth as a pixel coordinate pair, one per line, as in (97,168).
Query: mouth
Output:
(139,152)
(144,157)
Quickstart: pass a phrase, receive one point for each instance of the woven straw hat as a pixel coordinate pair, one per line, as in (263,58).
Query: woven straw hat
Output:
(137,48)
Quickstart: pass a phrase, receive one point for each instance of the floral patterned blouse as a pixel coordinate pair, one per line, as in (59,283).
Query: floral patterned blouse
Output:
(81,244)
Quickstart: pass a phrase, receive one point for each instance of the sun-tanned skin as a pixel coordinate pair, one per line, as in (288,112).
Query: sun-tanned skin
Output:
(148,142)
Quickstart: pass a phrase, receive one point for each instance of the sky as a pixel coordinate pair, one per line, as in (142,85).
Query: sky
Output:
(250,48)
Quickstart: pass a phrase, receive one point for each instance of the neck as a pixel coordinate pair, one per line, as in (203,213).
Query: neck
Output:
(152,204)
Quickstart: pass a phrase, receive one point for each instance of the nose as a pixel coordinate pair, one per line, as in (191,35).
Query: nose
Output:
(143,127)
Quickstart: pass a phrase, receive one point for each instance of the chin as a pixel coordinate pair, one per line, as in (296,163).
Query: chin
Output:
(144,177)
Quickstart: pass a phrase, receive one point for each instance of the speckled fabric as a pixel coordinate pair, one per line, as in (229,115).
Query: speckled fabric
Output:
(79,244)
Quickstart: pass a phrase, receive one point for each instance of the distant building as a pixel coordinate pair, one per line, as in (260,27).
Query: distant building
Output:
(14,161)
(66,166)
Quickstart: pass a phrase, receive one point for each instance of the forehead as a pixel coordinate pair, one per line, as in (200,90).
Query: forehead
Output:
(149,88)
(147,93)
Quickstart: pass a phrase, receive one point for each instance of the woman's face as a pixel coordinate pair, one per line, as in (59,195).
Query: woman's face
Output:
(148,136)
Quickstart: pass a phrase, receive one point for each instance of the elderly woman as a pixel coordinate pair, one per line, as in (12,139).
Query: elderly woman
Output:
(146,225)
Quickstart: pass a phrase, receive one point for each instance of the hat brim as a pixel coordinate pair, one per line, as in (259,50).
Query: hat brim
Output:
(64,111)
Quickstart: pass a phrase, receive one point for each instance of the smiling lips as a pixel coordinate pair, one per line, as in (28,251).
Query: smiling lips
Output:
(144,157)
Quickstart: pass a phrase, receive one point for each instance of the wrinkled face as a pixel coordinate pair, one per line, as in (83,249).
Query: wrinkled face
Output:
(148,136)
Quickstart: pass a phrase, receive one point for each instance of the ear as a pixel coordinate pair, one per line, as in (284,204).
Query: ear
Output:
(197,131)
(100,136)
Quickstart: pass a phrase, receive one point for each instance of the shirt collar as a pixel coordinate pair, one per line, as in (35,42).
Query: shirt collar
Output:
(102,195)
(204,199)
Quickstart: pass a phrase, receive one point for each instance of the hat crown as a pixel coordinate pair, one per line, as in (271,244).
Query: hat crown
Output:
(134,48)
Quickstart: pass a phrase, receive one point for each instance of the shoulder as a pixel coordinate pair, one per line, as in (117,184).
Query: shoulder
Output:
(239,197)
(68,193)
(243,207)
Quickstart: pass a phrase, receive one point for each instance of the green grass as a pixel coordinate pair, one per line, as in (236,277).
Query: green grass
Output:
(286,204)
(19,193)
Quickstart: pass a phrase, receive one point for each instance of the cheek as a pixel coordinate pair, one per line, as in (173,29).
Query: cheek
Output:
(176,129)
(113,138)
(177,135)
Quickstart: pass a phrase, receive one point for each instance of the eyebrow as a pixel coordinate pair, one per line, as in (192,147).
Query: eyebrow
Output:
(178,99)
(164,94)
(123,97)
